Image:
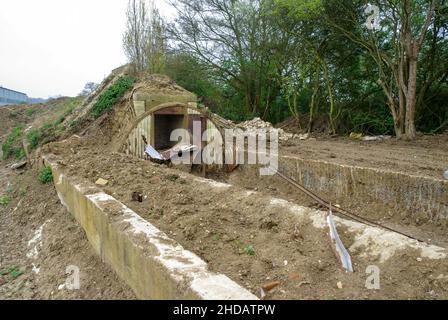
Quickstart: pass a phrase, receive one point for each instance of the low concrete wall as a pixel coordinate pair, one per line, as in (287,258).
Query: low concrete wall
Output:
(425,198)
(152,264)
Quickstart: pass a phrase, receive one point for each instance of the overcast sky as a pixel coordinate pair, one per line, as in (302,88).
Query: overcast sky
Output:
(53,47)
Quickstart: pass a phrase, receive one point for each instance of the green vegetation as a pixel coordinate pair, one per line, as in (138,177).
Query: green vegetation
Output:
(48,132)
(249,250)
(5,200)
(34,138)
(12,146)
(69,108)
(172,177)
(319,61)
(112,95)
(30,112)
(13,271)
(42,135)
(46,175)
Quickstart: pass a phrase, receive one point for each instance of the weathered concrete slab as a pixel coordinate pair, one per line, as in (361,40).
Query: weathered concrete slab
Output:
(152,264)
(423,197)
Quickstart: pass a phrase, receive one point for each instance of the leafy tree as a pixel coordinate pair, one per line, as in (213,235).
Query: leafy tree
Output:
(240,40)
(88,89)
(144,40)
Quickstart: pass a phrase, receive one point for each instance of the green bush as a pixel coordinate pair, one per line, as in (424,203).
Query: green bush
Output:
(46,175)
(12,145)
(69,108)
(34,137)
(30,112)
(5,200)
(249,250)
(112,95)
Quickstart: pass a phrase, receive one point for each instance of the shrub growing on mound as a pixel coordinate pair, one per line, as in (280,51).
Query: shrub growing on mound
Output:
(34,137)
(112,95)
(12,146)
(46,175)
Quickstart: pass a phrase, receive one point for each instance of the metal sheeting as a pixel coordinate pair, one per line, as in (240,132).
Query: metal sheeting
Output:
(136,144)
(213,133)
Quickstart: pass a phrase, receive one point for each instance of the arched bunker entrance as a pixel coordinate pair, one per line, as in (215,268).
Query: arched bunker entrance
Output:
(155,115)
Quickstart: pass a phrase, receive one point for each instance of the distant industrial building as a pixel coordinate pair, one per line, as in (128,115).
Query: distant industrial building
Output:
(8,96)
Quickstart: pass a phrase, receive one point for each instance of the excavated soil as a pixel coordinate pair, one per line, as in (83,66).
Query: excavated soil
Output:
(235,229)
(32,263)
(376,211)
(41,264)
(427,156)
(223,224)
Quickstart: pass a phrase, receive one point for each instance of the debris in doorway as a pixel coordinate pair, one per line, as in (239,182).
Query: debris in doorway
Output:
(166,156)
(154,155)
(137,196)
(102,182)
(337,245)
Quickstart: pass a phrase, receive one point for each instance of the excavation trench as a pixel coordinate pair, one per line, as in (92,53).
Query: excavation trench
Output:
(257,239)
(414,205)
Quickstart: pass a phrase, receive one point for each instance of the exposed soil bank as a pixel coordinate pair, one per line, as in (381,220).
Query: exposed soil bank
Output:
(252,238)
(426,156)
(40,239)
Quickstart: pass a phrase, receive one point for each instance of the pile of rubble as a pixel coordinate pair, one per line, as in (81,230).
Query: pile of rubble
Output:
(256,124)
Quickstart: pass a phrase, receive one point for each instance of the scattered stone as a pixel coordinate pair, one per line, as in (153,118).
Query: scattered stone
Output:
(19,165)
(375,138)
(269,286)
(339,284)
(2,281)
(101,182)
(256,124)
(445,175)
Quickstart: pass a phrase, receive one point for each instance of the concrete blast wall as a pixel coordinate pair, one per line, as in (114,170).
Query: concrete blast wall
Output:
(424,198)
(152,264)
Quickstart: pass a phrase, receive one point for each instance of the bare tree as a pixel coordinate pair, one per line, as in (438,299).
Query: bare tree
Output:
(156,41)
(143,40)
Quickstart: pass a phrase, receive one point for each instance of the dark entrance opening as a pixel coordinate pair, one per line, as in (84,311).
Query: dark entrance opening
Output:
(164,125)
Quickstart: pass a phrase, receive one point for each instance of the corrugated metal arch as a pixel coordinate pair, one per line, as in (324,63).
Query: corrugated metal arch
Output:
(121,146)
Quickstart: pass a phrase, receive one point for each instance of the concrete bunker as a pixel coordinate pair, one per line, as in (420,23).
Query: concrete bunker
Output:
(157,109)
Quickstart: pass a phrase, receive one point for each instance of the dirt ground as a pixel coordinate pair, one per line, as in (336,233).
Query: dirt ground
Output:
(236,230)
(427,156)
(223,225)
(62,244)
(34,266)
